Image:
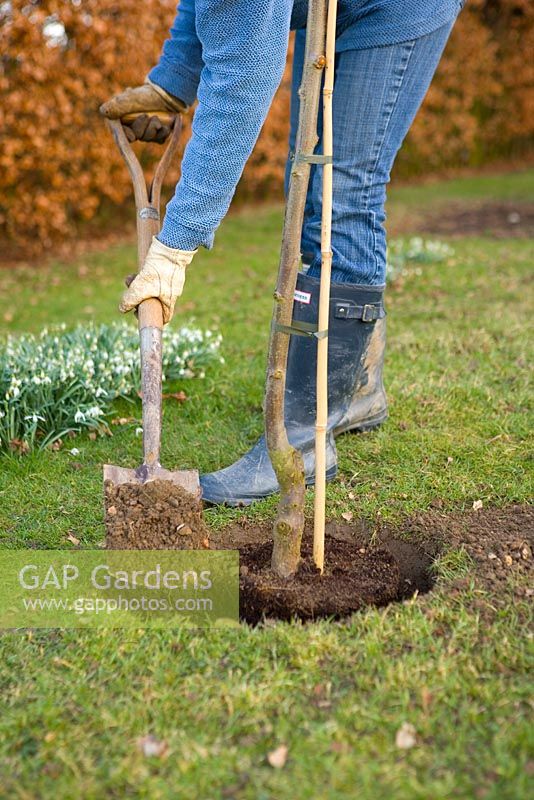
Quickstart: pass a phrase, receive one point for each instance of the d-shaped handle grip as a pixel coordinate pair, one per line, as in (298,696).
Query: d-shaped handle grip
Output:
(147,201)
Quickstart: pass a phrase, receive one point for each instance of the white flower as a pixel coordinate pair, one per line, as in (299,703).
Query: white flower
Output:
(73,369)
(74,451)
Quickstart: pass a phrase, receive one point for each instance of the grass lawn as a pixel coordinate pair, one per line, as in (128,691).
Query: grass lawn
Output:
(74,703)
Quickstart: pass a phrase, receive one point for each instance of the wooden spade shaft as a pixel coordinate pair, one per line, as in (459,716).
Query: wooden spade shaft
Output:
(150,322)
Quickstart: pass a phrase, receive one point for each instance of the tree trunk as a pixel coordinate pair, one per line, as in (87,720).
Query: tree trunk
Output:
(286,461)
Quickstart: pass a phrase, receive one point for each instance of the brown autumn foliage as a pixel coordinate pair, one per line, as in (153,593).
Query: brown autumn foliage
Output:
(57,163)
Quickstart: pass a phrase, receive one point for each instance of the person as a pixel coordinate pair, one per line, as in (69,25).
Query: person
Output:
(230,55)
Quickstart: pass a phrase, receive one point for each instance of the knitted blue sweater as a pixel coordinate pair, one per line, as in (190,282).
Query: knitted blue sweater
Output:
(230,55)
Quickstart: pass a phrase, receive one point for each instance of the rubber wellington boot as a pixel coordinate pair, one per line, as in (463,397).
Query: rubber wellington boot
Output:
(354,311)
(368,407)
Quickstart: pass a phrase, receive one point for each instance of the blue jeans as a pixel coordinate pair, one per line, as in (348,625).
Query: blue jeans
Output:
(377,93)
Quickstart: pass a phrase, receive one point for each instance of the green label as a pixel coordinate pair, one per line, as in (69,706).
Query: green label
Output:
(118,588)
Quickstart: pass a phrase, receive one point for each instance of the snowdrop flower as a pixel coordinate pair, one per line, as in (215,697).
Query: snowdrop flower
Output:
(67,372)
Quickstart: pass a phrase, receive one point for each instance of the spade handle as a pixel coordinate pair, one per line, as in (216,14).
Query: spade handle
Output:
(150,312)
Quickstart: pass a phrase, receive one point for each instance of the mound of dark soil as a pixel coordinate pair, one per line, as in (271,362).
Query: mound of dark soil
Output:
(498,220)
(353,577)
(157,515)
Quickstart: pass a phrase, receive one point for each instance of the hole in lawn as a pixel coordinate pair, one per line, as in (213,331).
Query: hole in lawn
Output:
(358,572)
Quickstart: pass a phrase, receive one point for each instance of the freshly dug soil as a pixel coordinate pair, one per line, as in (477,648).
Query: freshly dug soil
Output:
(363,565)
(499,542)
(497,220)
(353,577)
(153,516)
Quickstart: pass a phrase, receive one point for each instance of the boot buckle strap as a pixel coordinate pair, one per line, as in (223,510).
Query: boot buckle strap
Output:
(367,313)
(299,328)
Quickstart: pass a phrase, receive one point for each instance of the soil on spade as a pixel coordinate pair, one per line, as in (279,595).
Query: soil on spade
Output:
(153,516)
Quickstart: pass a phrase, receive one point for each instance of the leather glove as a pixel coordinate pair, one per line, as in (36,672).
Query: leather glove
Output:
(162,276)
(146,101)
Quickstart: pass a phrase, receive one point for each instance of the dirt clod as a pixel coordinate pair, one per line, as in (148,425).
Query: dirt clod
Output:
(153,516)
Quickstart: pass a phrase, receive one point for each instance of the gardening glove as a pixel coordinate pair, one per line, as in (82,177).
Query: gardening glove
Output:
(162,276)
(146,100)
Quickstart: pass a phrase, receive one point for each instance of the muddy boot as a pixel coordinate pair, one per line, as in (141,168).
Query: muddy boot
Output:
(354,311)
(368,407)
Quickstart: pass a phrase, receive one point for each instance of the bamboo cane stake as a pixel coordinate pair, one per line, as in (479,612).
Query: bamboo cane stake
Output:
(324,295)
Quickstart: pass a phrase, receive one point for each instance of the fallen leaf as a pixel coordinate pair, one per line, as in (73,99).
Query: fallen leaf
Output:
(62,662)
(18,446)
(348,515)
(339,747)
(180,396)
(152,747)
(92,436)
(426,698)
(477,505)
(123,420)
(57,445)
(72,538)
(277,758)
(406,736)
